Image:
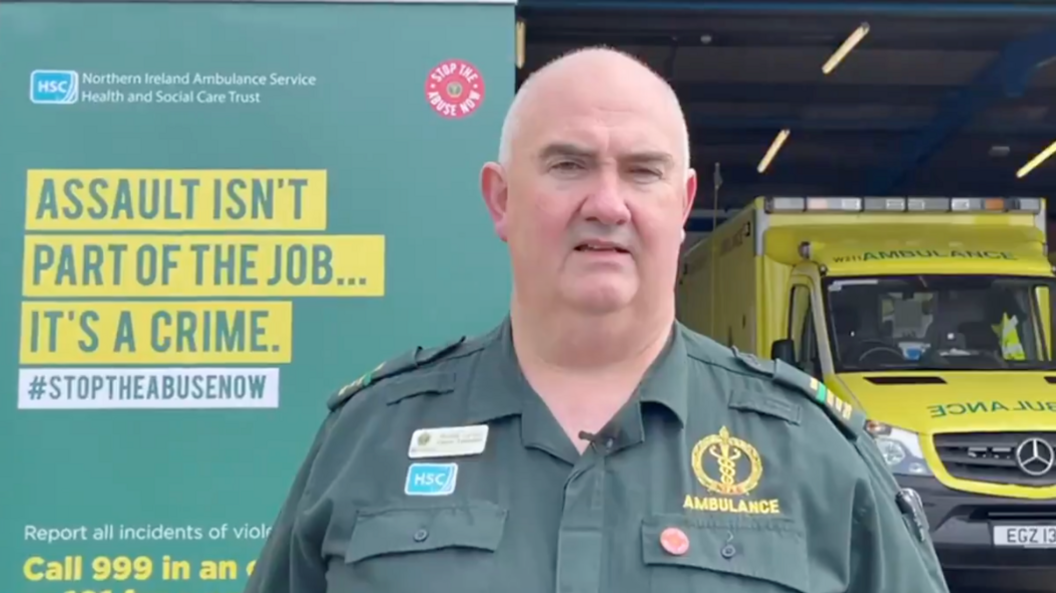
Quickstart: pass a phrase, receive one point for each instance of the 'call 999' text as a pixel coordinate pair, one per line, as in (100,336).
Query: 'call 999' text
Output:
(71,569)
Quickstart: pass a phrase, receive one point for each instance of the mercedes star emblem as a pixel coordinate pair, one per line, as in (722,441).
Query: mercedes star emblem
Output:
(1035,456)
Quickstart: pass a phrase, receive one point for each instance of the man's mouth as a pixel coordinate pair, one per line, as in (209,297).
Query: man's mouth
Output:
(599,246)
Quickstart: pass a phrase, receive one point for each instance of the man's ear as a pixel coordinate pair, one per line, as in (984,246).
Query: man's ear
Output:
(691,195)
(493,188)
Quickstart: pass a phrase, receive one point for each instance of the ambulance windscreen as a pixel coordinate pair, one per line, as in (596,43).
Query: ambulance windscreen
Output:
(940,322)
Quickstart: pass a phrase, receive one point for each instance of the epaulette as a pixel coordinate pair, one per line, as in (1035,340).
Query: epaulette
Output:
(408,361)
(849,420)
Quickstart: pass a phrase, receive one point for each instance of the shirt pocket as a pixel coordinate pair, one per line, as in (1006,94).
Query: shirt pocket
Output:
(445,547)
(728,553)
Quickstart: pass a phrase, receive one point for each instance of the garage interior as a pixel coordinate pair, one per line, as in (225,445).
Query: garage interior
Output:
(924,99)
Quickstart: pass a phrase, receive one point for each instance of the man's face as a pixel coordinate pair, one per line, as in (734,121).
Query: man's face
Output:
(596,194)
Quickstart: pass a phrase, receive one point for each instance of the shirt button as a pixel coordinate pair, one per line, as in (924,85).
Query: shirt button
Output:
(609,443)
(728,551)
(421,535)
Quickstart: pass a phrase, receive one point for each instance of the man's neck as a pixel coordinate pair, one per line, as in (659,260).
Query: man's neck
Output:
(573,343)
(586,368)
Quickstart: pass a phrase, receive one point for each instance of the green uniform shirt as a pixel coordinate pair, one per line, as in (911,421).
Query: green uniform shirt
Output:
(723,473)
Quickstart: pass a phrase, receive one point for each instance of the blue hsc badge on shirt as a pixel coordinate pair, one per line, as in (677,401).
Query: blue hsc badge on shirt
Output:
(431,479)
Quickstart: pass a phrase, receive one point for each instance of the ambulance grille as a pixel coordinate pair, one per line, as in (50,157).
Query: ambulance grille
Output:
(992,457)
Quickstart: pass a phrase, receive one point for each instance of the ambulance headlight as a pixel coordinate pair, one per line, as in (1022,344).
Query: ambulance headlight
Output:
(900,448)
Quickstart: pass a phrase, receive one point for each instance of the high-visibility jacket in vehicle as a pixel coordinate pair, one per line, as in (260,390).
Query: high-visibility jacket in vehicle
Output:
(1011,348)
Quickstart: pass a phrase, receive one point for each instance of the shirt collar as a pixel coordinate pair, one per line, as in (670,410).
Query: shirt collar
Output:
(498,388)
(667,380)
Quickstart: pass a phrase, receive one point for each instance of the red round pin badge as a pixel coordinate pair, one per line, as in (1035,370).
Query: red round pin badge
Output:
(674,541)
(454,89)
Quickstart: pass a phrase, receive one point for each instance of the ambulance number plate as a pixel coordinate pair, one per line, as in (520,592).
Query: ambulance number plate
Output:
(1025,536)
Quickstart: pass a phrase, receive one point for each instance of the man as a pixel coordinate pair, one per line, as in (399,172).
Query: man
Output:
(590,442)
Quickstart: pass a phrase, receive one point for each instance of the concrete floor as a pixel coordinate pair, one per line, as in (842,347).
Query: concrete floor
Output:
(994,591)
(1013,586)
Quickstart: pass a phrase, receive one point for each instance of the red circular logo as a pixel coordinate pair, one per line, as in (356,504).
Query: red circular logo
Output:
(454,89)
(674,541)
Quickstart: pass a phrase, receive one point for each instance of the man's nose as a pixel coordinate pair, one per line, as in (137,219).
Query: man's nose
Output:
(606,203)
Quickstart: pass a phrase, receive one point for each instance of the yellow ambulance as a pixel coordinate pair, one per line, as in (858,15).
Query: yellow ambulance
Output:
(932,315)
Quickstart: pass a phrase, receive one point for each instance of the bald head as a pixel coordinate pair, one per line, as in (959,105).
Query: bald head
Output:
(584,71)
(591,194)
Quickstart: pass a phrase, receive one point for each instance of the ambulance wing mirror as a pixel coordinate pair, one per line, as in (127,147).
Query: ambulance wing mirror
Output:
(783,350)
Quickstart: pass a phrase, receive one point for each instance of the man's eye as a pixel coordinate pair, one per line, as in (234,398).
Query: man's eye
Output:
(646,173)
(567,166)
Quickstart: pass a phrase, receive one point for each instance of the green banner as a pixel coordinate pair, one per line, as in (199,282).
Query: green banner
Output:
(216,215)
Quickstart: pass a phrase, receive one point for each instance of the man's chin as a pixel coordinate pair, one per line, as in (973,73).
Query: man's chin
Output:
(600,298)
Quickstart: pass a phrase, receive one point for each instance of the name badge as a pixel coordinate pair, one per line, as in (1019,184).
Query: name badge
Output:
(453,441)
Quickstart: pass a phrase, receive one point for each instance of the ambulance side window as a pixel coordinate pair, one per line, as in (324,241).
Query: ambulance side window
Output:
(801,330)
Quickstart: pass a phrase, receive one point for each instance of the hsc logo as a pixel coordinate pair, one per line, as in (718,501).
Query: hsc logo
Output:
(53,87)
(431,479)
